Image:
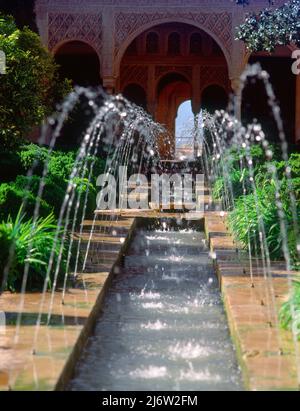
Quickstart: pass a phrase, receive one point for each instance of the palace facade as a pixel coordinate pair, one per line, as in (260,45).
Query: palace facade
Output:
(160,53)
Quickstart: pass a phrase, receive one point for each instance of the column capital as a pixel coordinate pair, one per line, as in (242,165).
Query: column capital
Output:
(109,84)
(236,84)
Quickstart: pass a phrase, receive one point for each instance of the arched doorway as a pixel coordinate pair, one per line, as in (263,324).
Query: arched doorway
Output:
(173,62)
(255,105)
(79,62)
(172,90)
(214,98)
(136,94)
(184,131)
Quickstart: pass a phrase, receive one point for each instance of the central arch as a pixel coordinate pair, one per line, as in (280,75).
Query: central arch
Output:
(167,64)
(172,90)
(177,20)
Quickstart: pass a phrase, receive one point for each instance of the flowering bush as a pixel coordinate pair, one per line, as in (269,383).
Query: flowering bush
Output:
(271,28)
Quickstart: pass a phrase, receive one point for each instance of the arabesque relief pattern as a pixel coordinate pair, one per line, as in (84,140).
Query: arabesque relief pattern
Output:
(75,26)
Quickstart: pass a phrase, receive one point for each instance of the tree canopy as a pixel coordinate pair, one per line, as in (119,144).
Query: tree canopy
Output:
(31,86)
(271,28)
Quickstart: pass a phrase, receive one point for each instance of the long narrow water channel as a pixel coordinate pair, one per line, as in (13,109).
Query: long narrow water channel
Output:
(163,325)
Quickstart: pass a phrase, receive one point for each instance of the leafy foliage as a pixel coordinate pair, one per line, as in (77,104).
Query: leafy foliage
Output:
(290,311)
(31,86)
(17,225)
(253,210)
(235,178)
(60,166)
(22,236)
(271,28)
(11,198)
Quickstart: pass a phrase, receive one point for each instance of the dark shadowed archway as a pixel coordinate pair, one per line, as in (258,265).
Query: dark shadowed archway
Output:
(79,62)
(214,98)
(172,62)
(255,100)
(136,94)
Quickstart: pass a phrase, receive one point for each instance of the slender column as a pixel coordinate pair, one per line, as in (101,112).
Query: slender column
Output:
(107,56)
(297,122)
(151,91)
(196,96)
(42,22)
(109,84)
(236,87)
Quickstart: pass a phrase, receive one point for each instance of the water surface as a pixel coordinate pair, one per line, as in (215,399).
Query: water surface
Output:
(163,325)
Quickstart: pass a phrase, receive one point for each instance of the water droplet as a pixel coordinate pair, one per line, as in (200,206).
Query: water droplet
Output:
(213,255)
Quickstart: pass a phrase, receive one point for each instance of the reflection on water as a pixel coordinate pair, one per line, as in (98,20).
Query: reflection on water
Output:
(163,326)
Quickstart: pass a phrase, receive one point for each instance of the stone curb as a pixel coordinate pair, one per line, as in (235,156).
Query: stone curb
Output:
(265,352)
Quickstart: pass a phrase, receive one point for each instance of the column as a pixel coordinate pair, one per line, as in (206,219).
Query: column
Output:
(238,61)
(196,96)
(107,53)
(42,22)
(151,91)
(237,90)
(109,84)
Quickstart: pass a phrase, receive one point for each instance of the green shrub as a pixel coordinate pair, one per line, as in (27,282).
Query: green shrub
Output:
(290,311)
(233,182)
(60,166)
(12,197)
(10,166)
(60,163)
(31,86)
(53,193)
(33,154)
(55,190)
(22,236)
(244,223)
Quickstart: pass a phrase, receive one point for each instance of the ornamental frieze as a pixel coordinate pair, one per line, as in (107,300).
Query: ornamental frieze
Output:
(218,23)
(75,26)
(134,74)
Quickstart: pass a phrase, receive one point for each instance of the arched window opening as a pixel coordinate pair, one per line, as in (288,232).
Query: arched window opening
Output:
(196,43)
(174,44)
(152,43)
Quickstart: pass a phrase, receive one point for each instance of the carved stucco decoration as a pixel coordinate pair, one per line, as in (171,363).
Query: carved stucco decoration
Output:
(218,23)
(214,75)
(75,26)
(186,71)
(134,74)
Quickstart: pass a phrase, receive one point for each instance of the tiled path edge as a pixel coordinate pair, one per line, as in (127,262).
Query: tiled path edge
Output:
(59,345)
(265,352)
